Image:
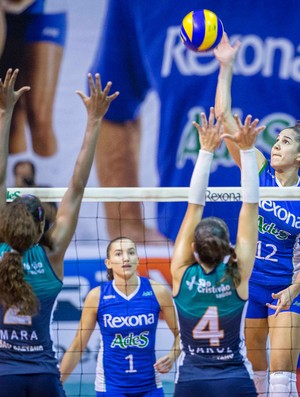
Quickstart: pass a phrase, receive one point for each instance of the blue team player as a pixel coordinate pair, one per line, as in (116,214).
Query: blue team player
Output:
(143,52)
(275,278)
(210,277)
(31,265)
(35,41)
(127,310)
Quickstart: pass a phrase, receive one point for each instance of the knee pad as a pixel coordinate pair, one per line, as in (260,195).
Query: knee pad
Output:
(261,383)
(283,384)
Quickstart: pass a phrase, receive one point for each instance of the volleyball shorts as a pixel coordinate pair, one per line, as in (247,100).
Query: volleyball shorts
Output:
(259,295)
(33,28)
(231,387)
(154,393)
(33,385)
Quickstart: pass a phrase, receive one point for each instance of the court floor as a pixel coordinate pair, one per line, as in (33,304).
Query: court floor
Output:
(87,389)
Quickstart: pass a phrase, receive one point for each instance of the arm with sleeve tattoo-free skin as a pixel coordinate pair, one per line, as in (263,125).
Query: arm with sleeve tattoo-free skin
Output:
(8,99)
(68,211)
(225,54)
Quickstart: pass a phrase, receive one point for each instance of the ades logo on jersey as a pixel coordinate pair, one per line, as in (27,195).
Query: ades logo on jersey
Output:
(282,214)
(141,340)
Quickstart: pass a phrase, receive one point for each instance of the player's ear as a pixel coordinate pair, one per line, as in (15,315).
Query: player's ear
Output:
(107,263)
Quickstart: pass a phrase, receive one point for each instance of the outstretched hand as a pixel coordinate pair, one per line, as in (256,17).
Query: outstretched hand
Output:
(99,101)
(8,96)
(246,134)
(224,52)
(210,132)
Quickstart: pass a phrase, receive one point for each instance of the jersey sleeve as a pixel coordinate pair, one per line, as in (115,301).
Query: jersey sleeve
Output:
(119,59)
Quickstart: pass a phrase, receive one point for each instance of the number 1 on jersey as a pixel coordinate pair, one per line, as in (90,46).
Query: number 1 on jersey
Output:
(130,358)
(208,327)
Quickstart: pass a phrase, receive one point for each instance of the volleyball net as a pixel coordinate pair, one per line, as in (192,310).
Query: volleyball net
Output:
(85,267)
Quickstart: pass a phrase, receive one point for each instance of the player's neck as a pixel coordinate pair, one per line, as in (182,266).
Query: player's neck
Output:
(287,178)
(127,285)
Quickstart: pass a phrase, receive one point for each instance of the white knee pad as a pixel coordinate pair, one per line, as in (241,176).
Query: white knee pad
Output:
(283,384)
(261,383)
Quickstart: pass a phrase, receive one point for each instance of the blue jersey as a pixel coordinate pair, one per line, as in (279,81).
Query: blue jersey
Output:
(278,250)
(211,318)
(127,339)
(25,342)
(46,6)
(143,51)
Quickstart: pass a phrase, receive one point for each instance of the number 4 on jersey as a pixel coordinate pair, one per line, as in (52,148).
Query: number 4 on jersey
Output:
(208,327)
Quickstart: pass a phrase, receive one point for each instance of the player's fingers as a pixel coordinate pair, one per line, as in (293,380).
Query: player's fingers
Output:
(260,129)
(211,117)
(203,120)
(248,120)
(7,77)
(113,96)
(22,90)
(237,121)
(275,296)
(13,77)
(98,82)
(82,95)
(91,83)
(237,45)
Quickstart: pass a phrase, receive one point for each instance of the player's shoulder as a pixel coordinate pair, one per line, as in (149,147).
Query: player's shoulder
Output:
(93,296)
(160,290)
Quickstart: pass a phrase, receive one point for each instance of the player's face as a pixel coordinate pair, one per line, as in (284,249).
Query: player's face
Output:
(285,153)
(123,259)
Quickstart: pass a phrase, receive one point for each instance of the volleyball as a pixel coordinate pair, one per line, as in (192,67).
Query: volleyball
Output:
(201,30)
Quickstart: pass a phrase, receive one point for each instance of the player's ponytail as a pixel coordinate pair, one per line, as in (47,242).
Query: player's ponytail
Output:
(232,270)
(19,230)
(211,241)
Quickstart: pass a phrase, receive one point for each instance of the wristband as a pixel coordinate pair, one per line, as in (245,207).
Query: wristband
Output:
(199,180)
(249,176)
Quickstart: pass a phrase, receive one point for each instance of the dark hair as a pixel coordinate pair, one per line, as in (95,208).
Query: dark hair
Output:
(296,129)
(110,274)
(19,229)
(23,162)
(212,244)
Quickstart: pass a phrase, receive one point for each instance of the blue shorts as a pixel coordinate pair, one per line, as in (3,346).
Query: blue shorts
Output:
(229,387)
(154,393)
(35,385)
(31,28)
(259,295)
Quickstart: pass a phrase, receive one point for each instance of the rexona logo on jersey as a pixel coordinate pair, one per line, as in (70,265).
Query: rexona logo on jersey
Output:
(128,321)
(131,340)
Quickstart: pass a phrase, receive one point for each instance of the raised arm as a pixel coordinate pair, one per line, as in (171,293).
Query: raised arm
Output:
(85,329)
(210,139)
(68,211)
(8,99)
(247,233)
(226,54)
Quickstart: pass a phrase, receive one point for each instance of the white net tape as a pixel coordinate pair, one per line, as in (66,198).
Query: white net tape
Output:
(214,194)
